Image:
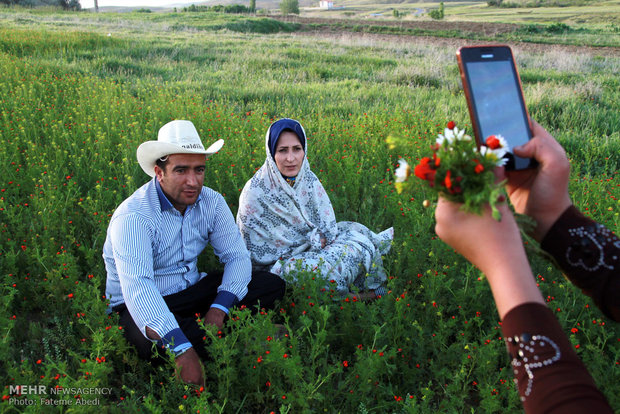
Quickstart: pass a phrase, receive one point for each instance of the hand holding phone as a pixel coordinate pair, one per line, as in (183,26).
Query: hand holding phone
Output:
(495,99)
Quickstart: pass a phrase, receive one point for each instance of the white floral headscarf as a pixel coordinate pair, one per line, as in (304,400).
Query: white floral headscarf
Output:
(278,220)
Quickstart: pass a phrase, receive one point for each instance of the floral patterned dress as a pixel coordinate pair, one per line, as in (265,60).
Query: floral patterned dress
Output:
(283,223)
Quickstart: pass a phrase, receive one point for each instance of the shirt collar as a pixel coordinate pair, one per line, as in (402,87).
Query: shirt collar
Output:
(164,203)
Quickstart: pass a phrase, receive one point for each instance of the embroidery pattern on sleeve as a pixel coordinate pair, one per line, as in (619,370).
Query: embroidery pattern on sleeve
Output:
(532,352)
(588,251)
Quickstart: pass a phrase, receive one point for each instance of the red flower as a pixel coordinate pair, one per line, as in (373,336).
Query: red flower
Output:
(447,181)
(451,125)
(492,142)
(345,363)
(479,167)
(425,170)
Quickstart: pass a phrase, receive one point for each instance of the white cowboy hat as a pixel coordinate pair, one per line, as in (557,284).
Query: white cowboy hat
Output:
(176,137)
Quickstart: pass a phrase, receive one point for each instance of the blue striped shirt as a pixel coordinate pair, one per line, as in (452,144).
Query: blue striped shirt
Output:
(151,250)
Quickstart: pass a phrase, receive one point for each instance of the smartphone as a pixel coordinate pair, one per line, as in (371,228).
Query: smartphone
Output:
(495,99)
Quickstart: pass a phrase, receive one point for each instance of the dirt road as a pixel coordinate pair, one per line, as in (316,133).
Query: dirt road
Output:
(332,29)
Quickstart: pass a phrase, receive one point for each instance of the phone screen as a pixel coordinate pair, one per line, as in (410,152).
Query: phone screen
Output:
(496,96)
(496,99)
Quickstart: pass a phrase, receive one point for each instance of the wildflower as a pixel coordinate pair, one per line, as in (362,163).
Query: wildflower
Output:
(479,167)
(495,150)
(496,141)
(461,172)
(452,134)
(447,181)
(403,171)
(425,170)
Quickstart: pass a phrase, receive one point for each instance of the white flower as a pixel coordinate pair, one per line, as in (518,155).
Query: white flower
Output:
(496,155)
(403,171)
(503,142)
(451,135)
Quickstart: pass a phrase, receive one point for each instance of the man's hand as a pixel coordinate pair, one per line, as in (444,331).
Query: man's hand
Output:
(189,368)
(541,193)
(215,317)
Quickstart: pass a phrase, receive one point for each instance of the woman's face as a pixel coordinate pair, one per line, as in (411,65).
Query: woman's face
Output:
(289,154)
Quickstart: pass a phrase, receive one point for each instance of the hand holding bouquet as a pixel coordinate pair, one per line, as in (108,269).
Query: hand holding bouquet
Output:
(459,171)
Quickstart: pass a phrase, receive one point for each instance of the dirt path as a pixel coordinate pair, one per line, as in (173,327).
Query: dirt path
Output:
(333,31)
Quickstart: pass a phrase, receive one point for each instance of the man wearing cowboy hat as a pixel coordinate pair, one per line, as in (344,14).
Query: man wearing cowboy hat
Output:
(152,247)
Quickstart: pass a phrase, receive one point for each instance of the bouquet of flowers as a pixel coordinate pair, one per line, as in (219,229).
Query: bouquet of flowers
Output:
(460,171)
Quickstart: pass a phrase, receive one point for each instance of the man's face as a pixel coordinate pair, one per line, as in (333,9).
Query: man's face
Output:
(182,179)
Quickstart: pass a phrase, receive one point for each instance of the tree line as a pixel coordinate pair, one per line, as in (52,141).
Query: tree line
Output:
(286,7)
(64,4)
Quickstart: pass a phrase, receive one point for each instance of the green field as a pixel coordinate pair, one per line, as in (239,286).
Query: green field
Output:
(598,13)
(80,92)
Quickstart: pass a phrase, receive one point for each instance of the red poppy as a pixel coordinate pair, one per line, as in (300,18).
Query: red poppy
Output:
(451,125)
(492,142)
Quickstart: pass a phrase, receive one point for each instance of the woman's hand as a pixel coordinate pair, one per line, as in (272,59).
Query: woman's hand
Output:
(541,193)
(494,247)
(485,242)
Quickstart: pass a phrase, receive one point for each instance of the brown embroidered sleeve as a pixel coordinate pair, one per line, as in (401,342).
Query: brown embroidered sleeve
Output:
(589,255)
(550,376)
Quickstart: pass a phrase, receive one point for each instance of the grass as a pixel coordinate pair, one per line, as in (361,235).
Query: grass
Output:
(600,13)
(573,12)
(74,105)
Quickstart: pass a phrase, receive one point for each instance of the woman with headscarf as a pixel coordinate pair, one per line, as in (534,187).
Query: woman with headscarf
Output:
(288,222)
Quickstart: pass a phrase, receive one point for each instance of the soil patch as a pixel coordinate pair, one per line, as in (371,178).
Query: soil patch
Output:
(333,28)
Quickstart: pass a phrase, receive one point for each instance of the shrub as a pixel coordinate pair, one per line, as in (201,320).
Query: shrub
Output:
(289,7)
(437,14)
